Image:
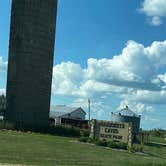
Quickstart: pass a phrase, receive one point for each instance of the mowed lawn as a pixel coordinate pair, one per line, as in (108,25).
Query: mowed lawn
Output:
(158,139)
(47,150)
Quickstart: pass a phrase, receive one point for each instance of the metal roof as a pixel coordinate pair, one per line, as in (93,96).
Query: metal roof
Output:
(60,110)
(126,112)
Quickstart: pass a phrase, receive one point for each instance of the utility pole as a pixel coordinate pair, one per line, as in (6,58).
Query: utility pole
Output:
(89,108)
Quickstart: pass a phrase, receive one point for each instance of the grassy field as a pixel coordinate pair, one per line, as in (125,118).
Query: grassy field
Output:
(157,139)
(46,150)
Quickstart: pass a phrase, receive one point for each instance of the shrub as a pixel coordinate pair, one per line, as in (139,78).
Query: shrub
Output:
(90,140)
(54,130)
(112,144)
(135,148)
(85,133)
(121,145)
(131,149)
(137,139)
(101,142)
(64,131)
(83,139)
(138,148)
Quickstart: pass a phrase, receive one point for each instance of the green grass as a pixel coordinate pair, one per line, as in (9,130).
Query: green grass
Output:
(157,139)
(46,150)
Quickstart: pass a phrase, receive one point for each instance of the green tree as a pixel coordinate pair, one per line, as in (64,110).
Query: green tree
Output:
(2,104)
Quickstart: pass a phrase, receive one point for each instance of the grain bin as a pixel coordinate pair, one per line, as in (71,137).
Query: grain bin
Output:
(126,115)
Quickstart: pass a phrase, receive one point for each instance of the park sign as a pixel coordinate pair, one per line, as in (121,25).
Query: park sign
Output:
(108,130)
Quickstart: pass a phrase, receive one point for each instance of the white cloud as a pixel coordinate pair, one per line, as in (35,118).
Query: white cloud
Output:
(2,91)
(92,87)
(136,70)
(154,7)
(135,67)
(155,10)
(156,21)
(162,77)
(66,78)
(136,107)
(145,96)
(70,80)
(133,76)
(3,65)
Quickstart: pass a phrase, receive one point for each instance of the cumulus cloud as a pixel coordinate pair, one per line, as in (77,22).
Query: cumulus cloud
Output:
(134,76)
(3,65)
(137,107)
(155,10)
(137,67)
(67,78)
(150,97)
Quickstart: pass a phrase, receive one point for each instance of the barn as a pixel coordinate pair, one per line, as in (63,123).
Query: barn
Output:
(61,114)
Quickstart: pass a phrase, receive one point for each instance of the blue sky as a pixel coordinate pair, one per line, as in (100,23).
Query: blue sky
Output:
(111,51)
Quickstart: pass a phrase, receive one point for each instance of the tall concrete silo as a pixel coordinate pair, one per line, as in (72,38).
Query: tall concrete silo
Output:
(31,50)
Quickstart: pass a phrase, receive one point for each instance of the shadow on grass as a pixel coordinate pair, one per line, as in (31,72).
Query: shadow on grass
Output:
(153,145)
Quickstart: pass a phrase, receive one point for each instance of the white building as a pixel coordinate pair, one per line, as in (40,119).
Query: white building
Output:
(62,111)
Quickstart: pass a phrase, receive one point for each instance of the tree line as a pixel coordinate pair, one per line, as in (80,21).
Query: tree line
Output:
(2,104)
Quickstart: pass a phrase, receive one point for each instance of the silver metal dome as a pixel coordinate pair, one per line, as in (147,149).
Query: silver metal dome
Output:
(127,115)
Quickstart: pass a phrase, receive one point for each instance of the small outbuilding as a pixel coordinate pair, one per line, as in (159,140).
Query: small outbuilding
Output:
(62,113)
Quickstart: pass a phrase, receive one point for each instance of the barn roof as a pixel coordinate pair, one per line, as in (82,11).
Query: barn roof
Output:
(60,110)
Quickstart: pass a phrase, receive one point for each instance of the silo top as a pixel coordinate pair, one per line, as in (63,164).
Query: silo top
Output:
(126,112)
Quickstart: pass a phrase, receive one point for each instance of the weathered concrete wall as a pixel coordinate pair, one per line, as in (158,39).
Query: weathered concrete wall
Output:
(31,50)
